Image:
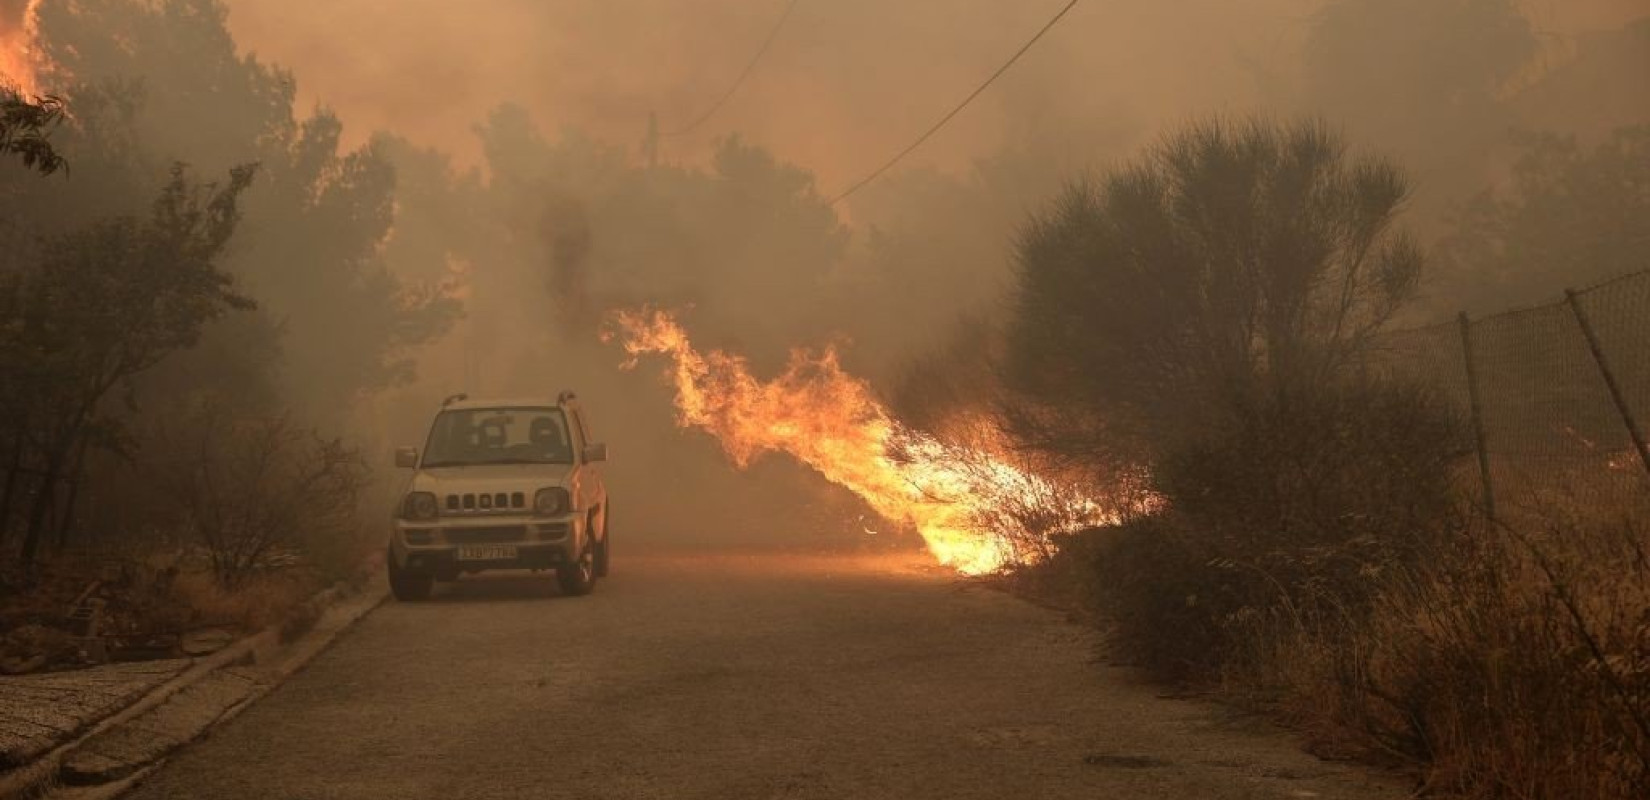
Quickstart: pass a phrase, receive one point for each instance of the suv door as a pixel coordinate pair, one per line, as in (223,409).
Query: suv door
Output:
(591,488)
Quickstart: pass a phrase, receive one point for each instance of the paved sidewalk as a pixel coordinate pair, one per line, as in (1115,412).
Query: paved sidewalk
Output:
(89,734)
(124,750)
(40,712)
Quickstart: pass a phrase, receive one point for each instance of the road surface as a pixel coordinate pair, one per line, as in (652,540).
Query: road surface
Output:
(727,677)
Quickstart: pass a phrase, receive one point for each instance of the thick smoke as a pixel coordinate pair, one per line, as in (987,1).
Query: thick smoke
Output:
(845,83)
(550,102)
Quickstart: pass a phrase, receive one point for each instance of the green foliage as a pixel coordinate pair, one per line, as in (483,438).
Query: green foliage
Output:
(25,131)
(158,82)
(100,307)
(1205,313)
(350,323)
(115,299)
(1234,264)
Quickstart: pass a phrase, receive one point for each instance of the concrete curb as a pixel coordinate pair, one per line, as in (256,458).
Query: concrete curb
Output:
(263,654)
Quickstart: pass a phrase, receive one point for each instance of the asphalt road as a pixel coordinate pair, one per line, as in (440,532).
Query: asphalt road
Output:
(734,677)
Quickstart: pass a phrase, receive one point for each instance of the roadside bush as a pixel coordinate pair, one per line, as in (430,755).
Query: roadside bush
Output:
(1290,518)
(1229,268)
(261,493)
(1322,491)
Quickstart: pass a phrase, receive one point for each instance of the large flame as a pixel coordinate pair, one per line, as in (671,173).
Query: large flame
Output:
(976,512)
(19,57)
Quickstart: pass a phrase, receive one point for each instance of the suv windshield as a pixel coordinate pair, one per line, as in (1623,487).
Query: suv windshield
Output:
(477,436)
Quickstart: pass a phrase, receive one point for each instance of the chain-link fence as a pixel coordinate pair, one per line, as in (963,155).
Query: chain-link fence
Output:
(1557,395)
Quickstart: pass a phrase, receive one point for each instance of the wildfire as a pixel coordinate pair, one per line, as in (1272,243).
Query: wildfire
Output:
(19,28)
(976,512)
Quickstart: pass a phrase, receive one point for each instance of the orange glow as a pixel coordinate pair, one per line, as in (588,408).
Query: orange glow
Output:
(970,506)
(19,60)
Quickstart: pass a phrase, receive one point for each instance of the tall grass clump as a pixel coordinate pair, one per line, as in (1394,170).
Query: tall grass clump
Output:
(1513,663)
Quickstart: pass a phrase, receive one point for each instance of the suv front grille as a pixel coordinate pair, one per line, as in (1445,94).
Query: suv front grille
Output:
(509,534)
(486,502)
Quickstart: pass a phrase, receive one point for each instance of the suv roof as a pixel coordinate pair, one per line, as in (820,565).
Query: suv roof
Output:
(461,402)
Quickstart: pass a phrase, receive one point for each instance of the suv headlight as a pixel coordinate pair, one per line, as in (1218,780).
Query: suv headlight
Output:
(552,501)
(419,506)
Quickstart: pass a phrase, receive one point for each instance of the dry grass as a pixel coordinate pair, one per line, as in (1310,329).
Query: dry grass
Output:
(257,602)
(1513,664)
(1340,581)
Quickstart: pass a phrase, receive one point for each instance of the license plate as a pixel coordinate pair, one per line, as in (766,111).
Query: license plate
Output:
(487,552)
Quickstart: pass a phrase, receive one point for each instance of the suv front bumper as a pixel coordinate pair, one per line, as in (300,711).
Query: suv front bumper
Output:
(473,544)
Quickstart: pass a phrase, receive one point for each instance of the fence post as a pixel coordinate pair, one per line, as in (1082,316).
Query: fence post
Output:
(1626,411)
(1477,406)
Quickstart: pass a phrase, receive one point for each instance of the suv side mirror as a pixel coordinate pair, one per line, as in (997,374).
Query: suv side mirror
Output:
(595,452)
(406,457)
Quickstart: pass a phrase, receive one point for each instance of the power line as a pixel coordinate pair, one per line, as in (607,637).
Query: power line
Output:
(960,106)
(740,81)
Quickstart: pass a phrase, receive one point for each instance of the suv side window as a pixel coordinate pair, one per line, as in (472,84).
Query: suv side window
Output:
(578,422)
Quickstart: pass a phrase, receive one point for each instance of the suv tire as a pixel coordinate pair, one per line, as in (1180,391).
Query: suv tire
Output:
(579,578)
(406,585)
(604,547)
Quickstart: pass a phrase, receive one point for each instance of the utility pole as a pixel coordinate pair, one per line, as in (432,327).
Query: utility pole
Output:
(650,145)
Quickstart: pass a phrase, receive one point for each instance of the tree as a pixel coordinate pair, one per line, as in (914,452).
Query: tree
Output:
(317,230)
(1234,264)
(1567,217)
(749,242)
(164,81)
(100,307)
(25,131)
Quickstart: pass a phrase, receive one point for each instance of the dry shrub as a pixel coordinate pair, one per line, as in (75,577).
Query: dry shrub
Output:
(263,493)
(1515,664)
(1292,514)
(1167,604)
(255,603)
(1327,570)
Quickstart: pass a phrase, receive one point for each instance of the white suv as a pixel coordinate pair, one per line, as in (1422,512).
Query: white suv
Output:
(501,484)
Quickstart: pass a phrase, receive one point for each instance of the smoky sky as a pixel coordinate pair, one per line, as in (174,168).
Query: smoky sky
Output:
(846,83)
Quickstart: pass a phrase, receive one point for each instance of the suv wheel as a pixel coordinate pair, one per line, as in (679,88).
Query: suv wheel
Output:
(406,585)
(604,547)
(579,577)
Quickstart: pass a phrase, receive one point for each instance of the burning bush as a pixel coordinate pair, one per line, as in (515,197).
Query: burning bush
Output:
(975,508)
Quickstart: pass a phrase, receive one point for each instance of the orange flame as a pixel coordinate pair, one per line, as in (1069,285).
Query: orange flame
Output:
(961,501)
(19,59)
